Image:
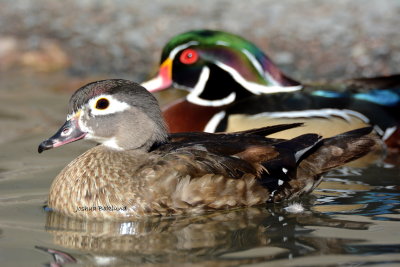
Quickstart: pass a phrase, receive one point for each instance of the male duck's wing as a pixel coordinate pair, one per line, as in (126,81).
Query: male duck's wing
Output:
(379,82)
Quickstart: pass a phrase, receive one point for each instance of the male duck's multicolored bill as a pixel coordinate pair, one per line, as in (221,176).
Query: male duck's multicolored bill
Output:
(139,169)
(233,86)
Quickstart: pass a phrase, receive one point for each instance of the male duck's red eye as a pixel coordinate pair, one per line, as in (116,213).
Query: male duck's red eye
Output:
(189,56)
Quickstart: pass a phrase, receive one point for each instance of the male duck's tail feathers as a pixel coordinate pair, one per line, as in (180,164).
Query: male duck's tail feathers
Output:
(380,82)
(326,155)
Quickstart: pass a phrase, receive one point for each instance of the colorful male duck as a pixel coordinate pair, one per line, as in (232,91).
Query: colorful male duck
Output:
(139,169)
(234,86)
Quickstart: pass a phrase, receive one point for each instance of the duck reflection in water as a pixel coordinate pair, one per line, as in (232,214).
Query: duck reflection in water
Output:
(214,238)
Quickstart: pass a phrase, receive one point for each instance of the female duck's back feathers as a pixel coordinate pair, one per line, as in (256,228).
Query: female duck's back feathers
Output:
(187,172)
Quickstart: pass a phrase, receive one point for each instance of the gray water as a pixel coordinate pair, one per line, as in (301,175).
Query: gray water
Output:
(351,219)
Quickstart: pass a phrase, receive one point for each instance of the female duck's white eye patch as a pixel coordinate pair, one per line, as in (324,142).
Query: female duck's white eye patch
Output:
(106,104)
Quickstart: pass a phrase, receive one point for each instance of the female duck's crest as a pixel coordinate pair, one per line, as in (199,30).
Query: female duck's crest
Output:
(198,59)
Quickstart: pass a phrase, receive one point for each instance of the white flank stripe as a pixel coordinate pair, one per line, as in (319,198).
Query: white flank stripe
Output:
(319,113)
(213,123)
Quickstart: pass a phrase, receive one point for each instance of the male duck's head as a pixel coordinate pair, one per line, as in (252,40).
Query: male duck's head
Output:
(119,114)
(217,68)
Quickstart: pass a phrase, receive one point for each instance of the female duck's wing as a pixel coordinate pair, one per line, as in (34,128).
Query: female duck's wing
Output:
(328,154)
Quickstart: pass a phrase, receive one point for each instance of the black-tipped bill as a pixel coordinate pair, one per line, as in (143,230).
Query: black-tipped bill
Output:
(68,133)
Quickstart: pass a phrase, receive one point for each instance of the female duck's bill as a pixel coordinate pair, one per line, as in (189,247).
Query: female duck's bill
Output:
(69,132)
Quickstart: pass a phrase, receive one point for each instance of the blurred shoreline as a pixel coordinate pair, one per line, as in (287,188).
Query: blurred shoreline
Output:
(309,40)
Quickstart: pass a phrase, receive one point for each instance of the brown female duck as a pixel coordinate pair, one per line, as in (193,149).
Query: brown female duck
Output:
(139,169)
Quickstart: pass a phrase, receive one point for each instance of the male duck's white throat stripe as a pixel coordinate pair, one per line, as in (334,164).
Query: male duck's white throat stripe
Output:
(157,82)
(193,97)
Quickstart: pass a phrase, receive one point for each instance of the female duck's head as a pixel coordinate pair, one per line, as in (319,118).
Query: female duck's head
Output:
(119,114)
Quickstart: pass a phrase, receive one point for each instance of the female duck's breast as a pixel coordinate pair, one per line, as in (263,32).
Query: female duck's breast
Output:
(98,184)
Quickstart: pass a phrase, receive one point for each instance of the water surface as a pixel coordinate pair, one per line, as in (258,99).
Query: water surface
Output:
(352,219)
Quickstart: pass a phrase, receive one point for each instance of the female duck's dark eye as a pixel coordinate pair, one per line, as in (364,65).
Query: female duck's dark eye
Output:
(102,103)
(189,56)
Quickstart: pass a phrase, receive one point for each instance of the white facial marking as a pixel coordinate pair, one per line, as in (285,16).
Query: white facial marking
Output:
(280,182)
(157,82)
(318,113)
(284,170)
(83,125)
(256,88)
(193,97)
(176,50)
(114,105)
(108,142)
(259,68)
(222,43)
(213,123)
(79,115)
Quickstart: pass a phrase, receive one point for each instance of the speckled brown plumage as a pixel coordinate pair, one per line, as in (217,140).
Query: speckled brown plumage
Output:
(139,170)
